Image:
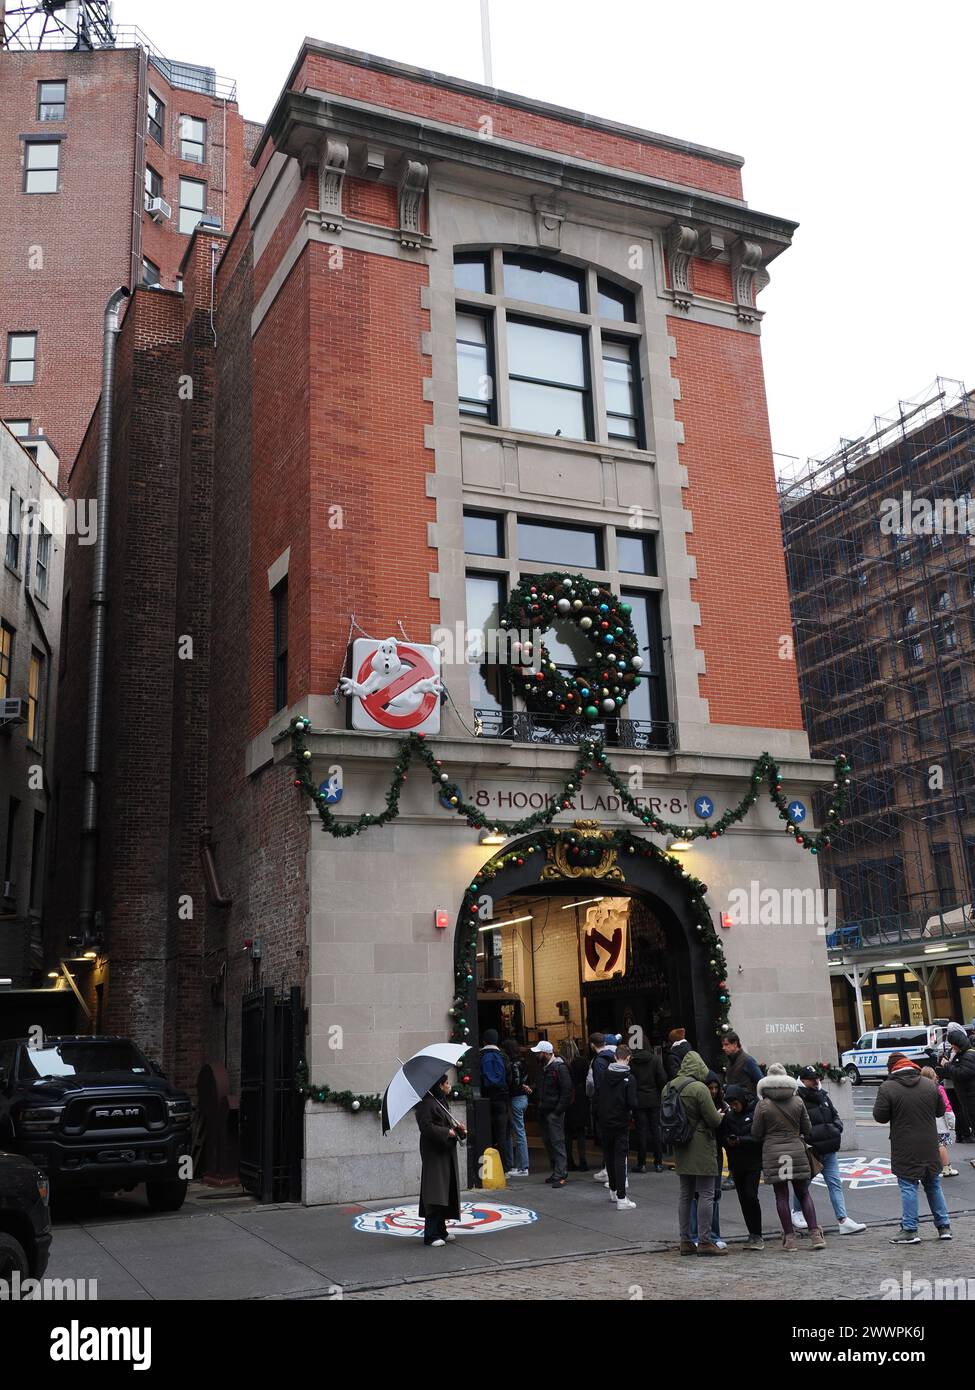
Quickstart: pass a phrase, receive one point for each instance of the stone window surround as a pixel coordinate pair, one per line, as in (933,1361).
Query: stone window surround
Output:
(497,307)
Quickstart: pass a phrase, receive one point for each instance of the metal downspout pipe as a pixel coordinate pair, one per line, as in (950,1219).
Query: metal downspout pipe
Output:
(99,622)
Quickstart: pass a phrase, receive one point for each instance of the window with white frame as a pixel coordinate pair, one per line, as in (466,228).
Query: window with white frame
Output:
(548,348)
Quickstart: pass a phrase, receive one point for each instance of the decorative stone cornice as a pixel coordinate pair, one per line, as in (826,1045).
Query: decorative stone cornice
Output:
(681,245)
(748,276)
(299,114)
(412,184)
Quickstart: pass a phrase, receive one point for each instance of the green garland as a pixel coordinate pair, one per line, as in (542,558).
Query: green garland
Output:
(580,851)
(591,757)
(824,1070)
(355,1104)
(597,690)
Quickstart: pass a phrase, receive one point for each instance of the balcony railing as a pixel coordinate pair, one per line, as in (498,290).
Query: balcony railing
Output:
(908,928)
(650,735)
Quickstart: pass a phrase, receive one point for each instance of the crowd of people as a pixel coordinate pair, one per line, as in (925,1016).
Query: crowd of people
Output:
(768,1125)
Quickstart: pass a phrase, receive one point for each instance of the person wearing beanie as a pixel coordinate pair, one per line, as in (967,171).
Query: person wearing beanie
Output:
(616,1102)
(553,1097)
(496,1081)
(912,1105)
(781,1125)
(677,1049)
(827,1136)
(959,1071)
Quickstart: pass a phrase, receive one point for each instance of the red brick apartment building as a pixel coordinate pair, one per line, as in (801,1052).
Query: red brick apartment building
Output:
(108,158)
(458,337)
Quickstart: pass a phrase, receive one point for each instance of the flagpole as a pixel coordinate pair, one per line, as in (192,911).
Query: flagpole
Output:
(486,42)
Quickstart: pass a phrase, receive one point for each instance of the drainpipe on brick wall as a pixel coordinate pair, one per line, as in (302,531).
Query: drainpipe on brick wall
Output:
(99,622)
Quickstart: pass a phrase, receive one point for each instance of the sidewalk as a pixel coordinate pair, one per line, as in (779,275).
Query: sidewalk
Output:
(224,1246)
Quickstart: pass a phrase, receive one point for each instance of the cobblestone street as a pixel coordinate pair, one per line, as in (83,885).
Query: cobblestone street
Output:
(851,1267)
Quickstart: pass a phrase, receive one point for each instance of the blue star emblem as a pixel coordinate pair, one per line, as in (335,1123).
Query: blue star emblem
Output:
(797,811)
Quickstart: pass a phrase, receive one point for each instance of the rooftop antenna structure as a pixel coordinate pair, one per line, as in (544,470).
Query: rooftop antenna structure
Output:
(486,42)
(72,25)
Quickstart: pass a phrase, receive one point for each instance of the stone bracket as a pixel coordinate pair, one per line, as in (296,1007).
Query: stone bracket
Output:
(748,277)
(682,243)
(412,186)
(548,224)
(331,172)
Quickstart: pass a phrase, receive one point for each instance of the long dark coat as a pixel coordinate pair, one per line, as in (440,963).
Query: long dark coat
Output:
(912,1105)
(439,1183)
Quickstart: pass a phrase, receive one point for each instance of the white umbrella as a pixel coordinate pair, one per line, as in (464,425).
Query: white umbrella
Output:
(415,1077)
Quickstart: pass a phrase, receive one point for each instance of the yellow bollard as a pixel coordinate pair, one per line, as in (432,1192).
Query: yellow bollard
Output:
(492,1170)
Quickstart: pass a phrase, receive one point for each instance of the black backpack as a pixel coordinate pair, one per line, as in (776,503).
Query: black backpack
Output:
(675,1127)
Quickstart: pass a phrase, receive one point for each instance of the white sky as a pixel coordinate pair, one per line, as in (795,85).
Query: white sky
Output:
(855,119)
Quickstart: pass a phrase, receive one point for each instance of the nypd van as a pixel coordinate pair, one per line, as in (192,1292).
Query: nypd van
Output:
(867,1059)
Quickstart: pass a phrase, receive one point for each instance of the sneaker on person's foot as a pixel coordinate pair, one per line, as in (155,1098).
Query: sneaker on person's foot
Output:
(438,1242)
(640,1168)
(727,1184)
(944,1233)
(754,1243)
(849,1227)
(451,1236)
(906,1238)
(799,1221)
(601,1176)
(789,1242)
(624,1204)
(708,1247)
(949,1172)
(687,1247)
(659,1167)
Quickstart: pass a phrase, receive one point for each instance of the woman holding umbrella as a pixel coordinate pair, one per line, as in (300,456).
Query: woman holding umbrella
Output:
(439,1180)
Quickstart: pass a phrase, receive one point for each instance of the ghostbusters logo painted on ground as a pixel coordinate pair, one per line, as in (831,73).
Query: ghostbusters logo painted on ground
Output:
(394,686)
(476,1219)
(862,1172)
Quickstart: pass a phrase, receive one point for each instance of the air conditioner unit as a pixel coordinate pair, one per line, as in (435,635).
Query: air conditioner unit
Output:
(159,210)
(13,712)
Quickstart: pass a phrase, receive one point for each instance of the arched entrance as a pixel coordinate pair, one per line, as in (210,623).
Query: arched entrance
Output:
(530,895)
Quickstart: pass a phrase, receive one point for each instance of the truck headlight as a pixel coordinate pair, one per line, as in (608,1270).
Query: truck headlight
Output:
(39,1118)
(179,1111)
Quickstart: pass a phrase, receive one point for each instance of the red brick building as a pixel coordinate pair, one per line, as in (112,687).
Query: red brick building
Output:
(108,158)
(458,338)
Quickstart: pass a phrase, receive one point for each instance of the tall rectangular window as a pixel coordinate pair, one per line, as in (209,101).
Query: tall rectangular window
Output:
(6,657)
(12,555)
(548,373)
(156,111)
(35,681)
(192,139)
(279,600)
(485,598)
(21,358)
(475,377)
(192,203)
(637,554)
(154,185)
(42,569)
(649,698)
(51,100)
(619,385)
(36,860)
(42,160)
(150,273)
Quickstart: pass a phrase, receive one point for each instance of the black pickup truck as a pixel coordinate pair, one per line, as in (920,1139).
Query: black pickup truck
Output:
(93,1113)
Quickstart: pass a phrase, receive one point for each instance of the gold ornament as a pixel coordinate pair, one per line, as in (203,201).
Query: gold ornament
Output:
(590,833)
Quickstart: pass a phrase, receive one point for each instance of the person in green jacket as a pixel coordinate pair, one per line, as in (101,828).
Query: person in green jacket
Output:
(697,1161)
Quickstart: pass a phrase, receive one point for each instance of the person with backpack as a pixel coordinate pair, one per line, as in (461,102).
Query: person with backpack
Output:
(496,1088)
(616,1101)
(648,1068)
(688,1121)
(520,1091)
(577,1115)
(782,1126)
(554,1093)
(827,1135)
(604,1052)
(744,1159)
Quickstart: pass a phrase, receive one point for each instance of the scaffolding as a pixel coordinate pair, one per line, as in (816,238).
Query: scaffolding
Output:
(880,548)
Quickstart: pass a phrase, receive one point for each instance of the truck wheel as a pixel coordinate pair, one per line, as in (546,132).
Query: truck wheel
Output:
(13,1258)
(854,1075)
(166,1196)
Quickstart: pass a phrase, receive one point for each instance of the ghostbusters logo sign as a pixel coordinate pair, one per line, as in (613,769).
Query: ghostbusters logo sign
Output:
(394,686)
(476,1219)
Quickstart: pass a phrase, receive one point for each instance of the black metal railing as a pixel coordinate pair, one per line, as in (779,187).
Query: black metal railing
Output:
(652,735)
(904,928)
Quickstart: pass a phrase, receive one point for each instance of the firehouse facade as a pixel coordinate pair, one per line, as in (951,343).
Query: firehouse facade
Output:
(463,342)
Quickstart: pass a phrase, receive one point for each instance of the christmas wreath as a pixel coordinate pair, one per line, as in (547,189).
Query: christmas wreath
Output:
(596,690)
